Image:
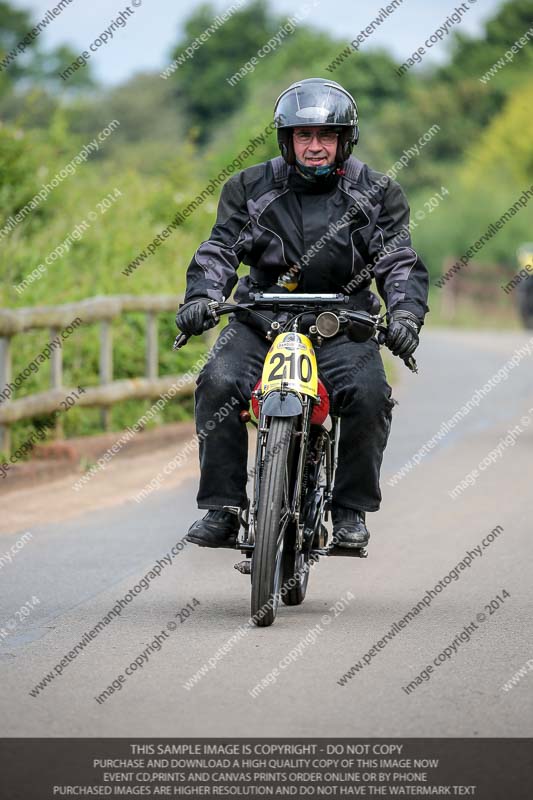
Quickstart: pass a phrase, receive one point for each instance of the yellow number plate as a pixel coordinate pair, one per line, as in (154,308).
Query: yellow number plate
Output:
(291,360)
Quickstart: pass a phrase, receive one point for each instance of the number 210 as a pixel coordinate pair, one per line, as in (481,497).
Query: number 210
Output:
(297,362)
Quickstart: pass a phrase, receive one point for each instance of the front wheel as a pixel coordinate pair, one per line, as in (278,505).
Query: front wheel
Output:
(273,517)
(295,575)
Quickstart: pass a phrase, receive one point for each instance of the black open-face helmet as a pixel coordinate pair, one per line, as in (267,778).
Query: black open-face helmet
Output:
(316,101)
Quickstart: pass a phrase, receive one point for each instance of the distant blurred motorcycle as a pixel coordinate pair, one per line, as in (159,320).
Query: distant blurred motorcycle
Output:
(524,256)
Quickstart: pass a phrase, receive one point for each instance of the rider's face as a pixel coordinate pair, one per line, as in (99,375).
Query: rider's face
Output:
(316,152)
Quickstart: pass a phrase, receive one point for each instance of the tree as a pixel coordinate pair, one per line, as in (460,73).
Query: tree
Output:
(503,152)
(474,56)
(14,25)
(152,130)
(22,64)
(201,81)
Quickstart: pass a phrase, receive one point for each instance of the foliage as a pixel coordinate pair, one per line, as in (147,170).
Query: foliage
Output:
(14,25)
(504,151)
(473,56)
(27,61)
(202,83)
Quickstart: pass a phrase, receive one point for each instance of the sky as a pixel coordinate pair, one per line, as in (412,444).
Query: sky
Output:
(154,27)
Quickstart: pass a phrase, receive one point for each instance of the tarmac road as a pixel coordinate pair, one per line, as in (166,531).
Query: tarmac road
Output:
(90,548)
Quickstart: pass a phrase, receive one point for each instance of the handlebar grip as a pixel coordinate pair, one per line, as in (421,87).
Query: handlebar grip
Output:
(409,362)
(180,340)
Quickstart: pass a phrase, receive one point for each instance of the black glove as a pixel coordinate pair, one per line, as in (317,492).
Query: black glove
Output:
(402,333)
(195,317)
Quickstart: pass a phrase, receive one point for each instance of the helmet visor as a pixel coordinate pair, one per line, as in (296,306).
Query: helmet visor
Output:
(314,104)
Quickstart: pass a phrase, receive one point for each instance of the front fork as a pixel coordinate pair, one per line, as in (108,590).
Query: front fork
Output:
(248,518)
(332,457)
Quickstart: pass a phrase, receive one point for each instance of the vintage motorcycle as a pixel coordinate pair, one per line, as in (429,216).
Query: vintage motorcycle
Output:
(283,531)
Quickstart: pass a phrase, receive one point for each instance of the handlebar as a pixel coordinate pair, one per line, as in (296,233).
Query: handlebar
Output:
(269,300)
(294,300)
(409,362)
(180,341)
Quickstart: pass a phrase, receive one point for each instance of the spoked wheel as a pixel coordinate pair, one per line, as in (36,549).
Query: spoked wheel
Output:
(296,564)
(273,517)
(295,575)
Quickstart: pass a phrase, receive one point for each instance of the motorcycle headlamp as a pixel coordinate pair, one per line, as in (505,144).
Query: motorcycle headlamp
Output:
(327,324)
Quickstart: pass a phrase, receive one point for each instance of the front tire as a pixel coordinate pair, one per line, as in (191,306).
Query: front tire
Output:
(295,575)
(272,521)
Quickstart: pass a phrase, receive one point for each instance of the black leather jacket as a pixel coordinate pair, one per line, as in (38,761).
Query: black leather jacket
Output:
(330,236)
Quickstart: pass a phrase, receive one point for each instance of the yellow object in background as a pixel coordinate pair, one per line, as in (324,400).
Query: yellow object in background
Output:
(524,255)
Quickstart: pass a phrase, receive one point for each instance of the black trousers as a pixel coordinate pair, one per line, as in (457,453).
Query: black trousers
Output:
(359,393)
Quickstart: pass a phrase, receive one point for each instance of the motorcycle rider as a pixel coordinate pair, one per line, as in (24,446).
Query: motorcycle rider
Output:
(314,219)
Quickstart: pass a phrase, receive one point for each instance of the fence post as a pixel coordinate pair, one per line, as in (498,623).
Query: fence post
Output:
(5,378)
(106,366)
(56,377)
(151,345)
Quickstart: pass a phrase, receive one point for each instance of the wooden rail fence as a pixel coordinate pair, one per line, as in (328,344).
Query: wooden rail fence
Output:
(57,319)
(478,283)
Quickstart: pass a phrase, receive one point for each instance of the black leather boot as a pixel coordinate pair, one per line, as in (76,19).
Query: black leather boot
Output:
(349,528)
(217,529)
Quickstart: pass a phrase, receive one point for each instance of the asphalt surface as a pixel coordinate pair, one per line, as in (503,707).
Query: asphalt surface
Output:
(81,561)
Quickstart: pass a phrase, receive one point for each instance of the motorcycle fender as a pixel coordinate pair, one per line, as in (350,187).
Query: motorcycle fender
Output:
(276,405)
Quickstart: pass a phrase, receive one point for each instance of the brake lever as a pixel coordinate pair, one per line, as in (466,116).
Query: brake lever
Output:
(182,338)
(409,362)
